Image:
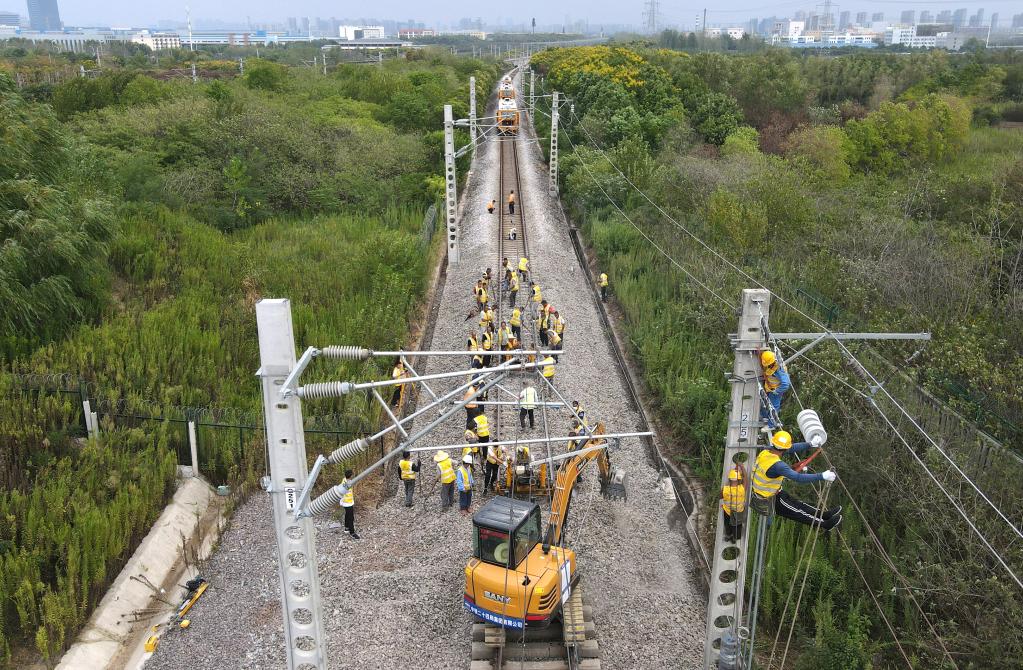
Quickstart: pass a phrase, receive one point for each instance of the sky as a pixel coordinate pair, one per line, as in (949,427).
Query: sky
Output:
(139,14)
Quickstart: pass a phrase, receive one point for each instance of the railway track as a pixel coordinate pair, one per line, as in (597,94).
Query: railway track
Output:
(571,643)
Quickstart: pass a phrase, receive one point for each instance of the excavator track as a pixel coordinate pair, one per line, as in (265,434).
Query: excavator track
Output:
(568,645)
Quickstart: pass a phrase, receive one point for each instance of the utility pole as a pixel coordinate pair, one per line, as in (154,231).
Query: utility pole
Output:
(450,185)
(296,539)
(725,604)
(195,77)
(704,24)
(552,185)
(532,93)
(241,66)
(472,114)
(324,64)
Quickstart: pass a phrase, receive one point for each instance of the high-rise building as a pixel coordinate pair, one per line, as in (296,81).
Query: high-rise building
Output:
(977,20)
(944,16)
(926,17)
(959,19)
(43,15)
(994,20)
(908,17)
(9,19)
(877,17)
(304,25)
(861,18)
(1017,20)
(843,20)
(292,25)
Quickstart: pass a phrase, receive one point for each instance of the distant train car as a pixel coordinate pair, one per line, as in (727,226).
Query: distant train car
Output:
(506,91)
(507,117)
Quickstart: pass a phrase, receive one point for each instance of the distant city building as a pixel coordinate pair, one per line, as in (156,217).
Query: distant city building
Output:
(926,17)
(304,25)
(843,20)
(1017,21)
(43,15)
(292,25)
(67,40)
(907,36)
(877,17)
(977,20)
(959,18)
(945,16)
(908,17)
(158,41)
(10,18)
(361,32)
(413,33)
(861,18)
(364,44)
(788,29)
(734,33)
(994,20)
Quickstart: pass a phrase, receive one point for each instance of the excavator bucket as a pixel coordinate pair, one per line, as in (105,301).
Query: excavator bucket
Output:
(615,488)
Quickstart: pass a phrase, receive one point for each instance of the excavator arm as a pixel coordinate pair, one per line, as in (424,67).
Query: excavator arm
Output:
(612,483)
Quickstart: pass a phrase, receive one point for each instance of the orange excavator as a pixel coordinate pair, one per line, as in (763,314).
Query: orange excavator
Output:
(519,576)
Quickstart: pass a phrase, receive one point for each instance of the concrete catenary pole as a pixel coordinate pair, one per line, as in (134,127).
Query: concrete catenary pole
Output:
(728,571)
(532,93)
(450,186)
(296,539)
(472,114)
(552,185)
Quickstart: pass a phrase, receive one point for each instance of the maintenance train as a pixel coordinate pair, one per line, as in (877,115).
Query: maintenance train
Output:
(507,109)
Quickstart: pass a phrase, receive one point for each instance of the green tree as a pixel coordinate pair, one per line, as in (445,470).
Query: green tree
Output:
(265,76)
(743,141)
(821,153)
(716,116)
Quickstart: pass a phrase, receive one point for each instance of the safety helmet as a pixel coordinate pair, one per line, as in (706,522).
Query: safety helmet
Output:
(781,440)
(470,435)
(467,458)
(440,456)
(767,358)
(733,474)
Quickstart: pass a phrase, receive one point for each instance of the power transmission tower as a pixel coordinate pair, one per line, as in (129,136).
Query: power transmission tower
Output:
(650,13)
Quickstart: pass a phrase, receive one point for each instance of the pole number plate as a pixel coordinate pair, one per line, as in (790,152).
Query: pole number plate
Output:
(289,497)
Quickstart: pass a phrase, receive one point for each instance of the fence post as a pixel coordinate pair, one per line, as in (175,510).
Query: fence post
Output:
(193,446)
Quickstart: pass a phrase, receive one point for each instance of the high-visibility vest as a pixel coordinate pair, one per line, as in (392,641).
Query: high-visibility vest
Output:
(544,320)
(486,316)
(488,341)
(349,498)
(469,451)
(477,361)
(764,486)
(537,295)
(506,335)
(447,473)
(495,455)
(523,453)
(733,498)
(523,264)
(471,343)
(483,296)
(771,381)
(516,317)
(515,283)
(559,325)
(527,400)
(603,279)
(482,427)
(466,478)
(406,469)
(553,338)
(548,367)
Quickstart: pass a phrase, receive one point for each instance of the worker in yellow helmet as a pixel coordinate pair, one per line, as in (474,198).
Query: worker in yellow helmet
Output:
(495,456)
(472,449)
(348,504)
(776,384)
(447,478)
(407,471)
(733,503)
(602,282)
(770,471)
(516,323)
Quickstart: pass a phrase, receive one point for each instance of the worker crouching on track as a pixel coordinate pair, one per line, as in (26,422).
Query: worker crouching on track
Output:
(447,478)
(408,471)
(491,206)
(465,483)
(733,503)
(348,505)
(769,472)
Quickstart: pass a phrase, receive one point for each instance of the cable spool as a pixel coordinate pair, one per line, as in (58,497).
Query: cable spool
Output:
(811,427)
(345,353)
(327,501)
(324,390)
(350,450)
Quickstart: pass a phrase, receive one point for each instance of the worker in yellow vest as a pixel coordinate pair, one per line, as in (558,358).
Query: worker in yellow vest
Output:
(602,282)
(488,344)
(472,450)
(407,470)
(527,404)
(548,367)
(348,504)
(558,323)
(554,342)
(513,289)
(579,411)
(733,503)
(472,342)
(471,407)
(770,471)
(465,484)
(516,323)
(397,372)
(486,316)
(543,322)
(447,478)
(495,456)
(504,335)
(524,267)
(537,298)
(482,430)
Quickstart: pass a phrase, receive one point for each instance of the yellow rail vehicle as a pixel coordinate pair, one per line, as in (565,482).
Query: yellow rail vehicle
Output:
(507,117)
(518,576)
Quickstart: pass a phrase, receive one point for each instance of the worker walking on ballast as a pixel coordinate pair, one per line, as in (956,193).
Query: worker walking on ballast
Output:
(511,202)
(602,282)
(408,471)
(465,483)
(447,479)
(348,504)
(769,472)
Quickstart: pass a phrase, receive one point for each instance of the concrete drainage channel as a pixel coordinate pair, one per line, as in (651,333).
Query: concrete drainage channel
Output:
(150,582)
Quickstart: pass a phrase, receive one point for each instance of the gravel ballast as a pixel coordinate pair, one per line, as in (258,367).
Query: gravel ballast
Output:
(394,598)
